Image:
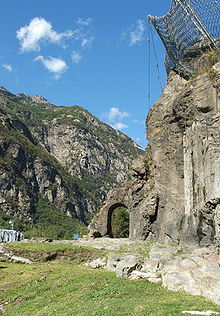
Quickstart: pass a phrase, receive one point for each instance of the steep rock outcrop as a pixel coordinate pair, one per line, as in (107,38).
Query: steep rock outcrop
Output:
(87,147)
(185,150)
(175,196)
(138,196)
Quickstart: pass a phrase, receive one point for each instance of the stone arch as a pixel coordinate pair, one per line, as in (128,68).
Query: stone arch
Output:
(109,218)
(100,225)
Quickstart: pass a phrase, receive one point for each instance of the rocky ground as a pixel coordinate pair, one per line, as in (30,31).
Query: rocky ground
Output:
(192,269)
(189,268)
(114,244)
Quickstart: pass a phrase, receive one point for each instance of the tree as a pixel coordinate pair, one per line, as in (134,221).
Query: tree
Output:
(120,223)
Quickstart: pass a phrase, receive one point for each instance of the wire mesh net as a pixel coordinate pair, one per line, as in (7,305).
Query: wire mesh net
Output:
(187,23)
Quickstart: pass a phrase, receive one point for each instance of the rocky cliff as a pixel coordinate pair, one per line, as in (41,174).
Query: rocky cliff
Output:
(174,194)
(62,154)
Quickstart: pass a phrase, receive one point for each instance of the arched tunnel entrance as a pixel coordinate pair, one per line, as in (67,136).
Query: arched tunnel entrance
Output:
(118,221)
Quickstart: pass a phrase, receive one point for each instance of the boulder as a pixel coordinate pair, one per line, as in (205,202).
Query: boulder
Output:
(137,275)
(150,276)
(16,259)
(123,265)
(199,261)
(126,265)
(113,260)
(161,252)
(188,276)
(150,265)
(209,280)
(97,263)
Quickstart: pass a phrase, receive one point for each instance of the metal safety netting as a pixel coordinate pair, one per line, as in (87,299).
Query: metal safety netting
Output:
(187,23)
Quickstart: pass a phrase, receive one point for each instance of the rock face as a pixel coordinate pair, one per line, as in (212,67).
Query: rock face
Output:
(174,194)
(63,154)
(191,269)
(196,271)
(137,197)
(28,172)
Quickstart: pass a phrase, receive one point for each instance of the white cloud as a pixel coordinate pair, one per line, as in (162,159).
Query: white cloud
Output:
(137,34)
(85,38)
(38,30)
(115,114)
(54,65)
(85,22)
(120,126)
(139,121)
(134,34)
(86,41)
(7,67)
(76,57)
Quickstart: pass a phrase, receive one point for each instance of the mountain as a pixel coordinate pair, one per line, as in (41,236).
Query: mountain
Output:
(57,158)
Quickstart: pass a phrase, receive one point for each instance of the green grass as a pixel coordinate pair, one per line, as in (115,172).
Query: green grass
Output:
(66,288)
(44,252)
(36,246)
(69,289)
(141,250)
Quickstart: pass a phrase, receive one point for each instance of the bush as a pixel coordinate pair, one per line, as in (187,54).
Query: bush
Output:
(53,223)
(120,223)
(48,222)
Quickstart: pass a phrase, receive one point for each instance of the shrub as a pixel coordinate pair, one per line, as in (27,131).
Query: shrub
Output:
(120,223)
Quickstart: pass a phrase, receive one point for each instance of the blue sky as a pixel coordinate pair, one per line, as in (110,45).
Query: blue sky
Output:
(92,53)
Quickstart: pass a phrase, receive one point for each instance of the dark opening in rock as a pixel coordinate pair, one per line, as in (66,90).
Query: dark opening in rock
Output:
(118,222)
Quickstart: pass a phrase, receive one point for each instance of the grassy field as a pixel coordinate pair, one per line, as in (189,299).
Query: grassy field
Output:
(37,246)
(66,288)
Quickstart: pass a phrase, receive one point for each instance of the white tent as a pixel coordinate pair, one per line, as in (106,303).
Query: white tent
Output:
(10,235)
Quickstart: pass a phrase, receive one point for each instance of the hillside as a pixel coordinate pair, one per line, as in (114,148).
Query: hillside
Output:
(58,159)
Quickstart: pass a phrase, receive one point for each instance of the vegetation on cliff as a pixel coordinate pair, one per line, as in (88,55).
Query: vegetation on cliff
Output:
(120,223)
(57,160)
(48,222)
